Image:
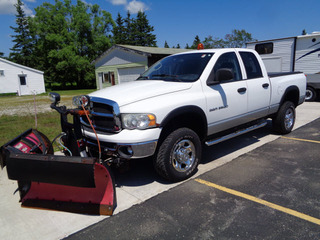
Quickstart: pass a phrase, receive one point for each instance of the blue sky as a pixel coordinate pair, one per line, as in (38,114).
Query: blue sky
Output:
(178,22)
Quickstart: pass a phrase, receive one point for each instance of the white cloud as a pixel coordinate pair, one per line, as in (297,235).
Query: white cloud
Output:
(118,2)
(136,6)
(7,7)
(133,6)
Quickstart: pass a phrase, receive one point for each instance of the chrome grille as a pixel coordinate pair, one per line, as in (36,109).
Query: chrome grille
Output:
(104,115)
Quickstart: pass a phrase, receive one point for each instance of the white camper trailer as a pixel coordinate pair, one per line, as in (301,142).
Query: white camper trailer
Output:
(300,53)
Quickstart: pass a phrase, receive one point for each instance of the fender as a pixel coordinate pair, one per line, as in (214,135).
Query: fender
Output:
(292,93)
(189,115)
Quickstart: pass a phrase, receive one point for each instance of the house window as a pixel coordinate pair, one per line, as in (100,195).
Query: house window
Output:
(23,80)
(264,48)
(1,73)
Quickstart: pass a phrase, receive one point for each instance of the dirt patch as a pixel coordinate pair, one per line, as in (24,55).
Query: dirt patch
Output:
(22,106)
(24,109)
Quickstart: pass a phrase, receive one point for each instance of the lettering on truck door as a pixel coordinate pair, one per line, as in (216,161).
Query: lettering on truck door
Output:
(226,101)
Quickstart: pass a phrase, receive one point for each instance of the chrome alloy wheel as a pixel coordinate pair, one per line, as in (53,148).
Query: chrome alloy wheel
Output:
(309,94)
(289,118)
(183,155)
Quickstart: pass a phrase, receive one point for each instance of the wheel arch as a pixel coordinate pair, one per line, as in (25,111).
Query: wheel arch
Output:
(291,94)
(190,116)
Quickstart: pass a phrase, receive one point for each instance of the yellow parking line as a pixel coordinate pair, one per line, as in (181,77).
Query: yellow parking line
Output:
(260,201)
(303,140)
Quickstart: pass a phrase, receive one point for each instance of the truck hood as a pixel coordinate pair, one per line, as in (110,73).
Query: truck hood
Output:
(131,92)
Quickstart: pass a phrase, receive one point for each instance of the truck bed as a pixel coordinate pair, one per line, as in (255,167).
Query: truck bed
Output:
(279,74)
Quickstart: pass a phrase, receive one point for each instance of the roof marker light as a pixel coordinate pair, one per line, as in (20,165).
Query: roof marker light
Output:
(200,46)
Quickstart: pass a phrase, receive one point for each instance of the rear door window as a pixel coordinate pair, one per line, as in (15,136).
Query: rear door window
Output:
(251,65)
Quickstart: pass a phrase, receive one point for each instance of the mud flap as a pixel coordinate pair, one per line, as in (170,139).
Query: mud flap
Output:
(63,183)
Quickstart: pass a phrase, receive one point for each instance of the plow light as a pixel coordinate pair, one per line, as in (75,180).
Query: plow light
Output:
(80,100)
(54,97)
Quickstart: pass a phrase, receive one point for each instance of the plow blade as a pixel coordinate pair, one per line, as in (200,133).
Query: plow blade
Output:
(63,183)
(99,200)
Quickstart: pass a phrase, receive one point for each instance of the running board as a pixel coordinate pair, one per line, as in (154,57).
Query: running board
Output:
(237,133)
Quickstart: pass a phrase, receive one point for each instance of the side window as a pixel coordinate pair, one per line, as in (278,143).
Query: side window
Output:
(264,48)
(251,65)
(229,60)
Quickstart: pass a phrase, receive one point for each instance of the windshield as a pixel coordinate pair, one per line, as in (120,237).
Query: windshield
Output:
(182,68)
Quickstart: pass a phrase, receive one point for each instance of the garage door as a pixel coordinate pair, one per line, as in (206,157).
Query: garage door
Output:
(129,74)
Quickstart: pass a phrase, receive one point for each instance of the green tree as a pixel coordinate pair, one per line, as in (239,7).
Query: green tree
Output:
(166,44)
(304,32)
(68,38)
(209,42)
(195,43)
(134,31)
(142,31)
(118,31)
(128,30)
(238,39)
(22,49)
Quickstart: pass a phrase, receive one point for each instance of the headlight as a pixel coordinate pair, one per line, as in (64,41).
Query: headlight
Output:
(138,120)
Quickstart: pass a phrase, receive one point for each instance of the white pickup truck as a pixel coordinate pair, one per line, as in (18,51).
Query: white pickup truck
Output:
(187,99)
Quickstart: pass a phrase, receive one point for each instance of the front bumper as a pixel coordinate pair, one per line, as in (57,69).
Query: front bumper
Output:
(126,150)
(127,143)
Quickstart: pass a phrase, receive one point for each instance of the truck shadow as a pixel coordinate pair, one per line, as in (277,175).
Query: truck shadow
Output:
(141,171)
(222,149)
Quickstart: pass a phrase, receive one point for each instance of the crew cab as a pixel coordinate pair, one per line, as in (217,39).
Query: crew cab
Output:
(185,100)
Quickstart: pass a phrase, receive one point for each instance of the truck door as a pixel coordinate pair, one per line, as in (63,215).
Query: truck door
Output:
(258,86)
(226,101)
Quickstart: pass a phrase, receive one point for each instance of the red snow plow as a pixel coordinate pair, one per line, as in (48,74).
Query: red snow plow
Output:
(75,182)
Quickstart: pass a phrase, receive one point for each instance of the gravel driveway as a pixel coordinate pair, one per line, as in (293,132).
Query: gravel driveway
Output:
(22,106)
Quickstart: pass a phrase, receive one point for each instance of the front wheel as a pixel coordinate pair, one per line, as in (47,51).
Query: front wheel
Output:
(285,118)
(179,155)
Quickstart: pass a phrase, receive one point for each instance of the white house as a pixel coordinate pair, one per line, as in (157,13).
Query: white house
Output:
(124,63)
(16,78)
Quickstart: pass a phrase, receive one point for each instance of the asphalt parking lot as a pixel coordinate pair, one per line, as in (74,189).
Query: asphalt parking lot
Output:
(271,192)
(148,207)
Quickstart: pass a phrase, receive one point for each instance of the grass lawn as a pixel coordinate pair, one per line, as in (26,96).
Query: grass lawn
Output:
(48,122)
(12,126)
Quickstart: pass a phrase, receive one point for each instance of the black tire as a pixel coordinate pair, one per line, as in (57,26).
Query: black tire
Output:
(311,94)
(285,118)
(178,156)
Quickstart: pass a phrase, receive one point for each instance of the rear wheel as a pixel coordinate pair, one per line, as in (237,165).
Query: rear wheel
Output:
(284,120)
(179,155)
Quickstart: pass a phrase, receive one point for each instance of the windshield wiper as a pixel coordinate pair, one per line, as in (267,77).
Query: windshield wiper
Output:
(143,78)
(173,77)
